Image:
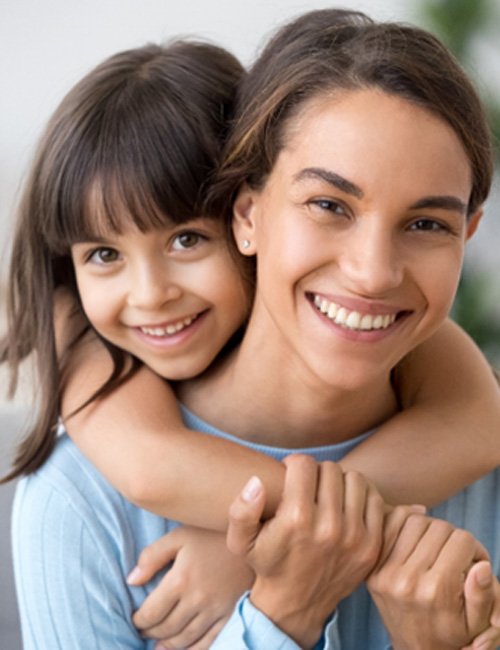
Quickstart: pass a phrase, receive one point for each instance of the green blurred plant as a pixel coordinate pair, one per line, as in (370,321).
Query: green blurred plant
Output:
(459,23)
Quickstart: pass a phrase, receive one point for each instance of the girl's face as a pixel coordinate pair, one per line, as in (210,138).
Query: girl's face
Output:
(359,233)
(171,297)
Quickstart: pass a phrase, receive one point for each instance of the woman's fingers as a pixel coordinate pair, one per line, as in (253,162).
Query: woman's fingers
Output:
(479,597)
(245,517)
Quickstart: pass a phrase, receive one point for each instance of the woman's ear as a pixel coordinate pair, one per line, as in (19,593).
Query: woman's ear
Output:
(244,231)
(473,222)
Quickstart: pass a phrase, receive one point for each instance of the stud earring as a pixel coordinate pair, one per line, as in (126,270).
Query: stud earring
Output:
(245,244)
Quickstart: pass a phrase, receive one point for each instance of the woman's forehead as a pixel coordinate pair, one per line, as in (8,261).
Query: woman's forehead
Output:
(371,136)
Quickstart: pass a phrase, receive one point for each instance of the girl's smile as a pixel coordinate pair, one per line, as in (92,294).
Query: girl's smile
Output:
(172,296)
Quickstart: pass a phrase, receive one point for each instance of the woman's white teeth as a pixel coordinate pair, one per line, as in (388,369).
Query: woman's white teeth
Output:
(169,329)
(353,320)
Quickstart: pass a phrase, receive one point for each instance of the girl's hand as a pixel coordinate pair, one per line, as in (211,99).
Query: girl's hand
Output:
(418,585)
(197,595)
(321,544)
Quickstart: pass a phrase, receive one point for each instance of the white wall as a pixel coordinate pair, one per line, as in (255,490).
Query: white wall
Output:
(46,46)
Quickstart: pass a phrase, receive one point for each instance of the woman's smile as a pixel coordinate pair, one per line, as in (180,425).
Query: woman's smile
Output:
(363,219)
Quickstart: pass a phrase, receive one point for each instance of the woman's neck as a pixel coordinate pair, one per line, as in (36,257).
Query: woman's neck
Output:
(263,394)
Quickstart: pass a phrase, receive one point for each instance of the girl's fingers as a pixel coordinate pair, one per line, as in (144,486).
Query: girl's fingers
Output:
(196,633)
(460,552)
(394,522)
(244,517)
(431,545)
(155,557)
(156,607)
(488,640)
(413,528)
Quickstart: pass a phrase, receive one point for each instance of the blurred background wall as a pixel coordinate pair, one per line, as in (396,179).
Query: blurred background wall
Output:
(45,47)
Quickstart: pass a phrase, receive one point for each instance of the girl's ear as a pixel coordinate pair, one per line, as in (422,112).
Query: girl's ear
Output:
(244,231)
(473,222)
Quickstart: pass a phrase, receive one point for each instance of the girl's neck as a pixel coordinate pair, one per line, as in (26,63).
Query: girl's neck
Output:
(261,393)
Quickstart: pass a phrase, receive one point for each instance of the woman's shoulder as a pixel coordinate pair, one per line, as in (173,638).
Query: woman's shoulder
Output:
(72,494)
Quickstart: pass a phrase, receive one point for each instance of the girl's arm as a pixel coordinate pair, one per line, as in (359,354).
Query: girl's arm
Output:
(447,434)
(135,436)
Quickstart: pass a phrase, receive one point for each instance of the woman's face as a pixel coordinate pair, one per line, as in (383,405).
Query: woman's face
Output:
(359,233)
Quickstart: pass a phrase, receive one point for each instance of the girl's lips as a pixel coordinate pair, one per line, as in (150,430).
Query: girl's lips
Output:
(173,332)
(168,329)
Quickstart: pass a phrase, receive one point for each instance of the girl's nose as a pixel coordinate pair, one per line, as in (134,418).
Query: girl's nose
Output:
(151,288)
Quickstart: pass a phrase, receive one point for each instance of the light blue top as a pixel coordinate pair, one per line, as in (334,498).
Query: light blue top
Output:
(75,539)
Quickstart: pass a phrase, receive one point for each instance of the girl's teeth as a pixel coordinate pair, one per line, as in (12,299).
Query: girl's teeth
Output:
(353,319)
(169,330)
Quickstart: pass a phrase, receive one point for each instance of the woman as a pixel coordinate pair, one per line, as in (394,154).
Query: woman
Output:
(360,161)
(313,327)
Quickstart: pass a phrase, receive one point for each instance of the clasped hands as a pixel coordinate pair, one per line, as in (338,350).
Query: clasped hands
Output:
(432,583)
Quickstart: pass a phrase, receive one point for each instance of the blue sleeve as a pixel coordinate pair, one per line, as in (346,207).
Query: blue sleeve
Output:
(249,629)
(69,580)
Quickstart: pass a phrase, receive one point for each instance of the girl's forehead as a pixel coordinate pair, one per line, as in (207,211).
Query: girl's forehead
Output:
(108,211)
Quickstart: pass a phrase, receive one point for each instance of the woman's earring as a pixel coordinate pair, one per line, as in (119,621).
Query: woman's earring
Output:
(245,244)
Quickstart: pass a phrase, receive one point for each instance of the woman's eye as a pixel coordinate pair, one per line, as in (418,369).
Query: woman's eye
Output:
(104,256)
(328,205)
(186,240)
(428,225)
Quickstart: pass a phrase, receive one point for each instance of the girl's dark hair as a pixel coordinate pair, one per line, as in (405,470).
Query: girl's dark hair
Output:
(139,136)
(335,50)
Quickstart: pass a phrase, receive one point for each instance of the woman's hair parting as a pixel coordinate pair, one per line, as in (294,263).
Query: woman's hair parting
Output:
(136,140)
(332,50)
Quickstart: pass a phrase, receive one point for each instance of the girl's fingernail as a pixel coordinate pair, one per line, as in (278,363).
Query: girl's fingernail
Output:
(419,509)
(134,576)
(252,489)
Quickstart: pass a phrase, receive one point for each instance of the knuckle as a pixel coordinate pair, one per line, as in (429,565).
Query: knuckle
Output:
(328,533)
(179,582)
(428,593)
(404,587)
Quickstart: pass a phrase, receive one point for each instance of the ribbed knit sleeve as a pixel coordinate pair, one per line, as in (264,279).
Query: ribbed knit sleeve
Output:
(73,545)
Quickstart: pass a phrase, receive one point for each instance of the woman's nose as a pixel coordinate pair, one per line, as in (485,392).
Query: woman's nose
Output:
(371,263)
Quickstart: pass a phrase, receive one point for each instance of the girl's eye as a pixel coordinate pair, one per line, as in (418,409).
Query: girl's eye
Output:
(186,240)
(428,225)
(104,256)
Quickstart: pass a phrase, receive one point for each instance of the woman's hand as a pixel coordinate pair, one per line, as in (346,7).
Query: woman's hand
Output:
(321,544)
(478,586)
(418,585)
(198,593)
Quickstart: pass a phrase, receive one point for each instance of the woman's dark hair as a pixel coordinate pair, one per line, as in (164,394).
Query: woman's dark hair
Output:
(137,139)
(334,50)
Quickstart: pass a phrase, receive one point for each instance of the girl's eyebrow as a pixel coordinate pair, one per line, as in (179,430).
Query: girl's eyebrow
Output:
(445,202)
(94,239)
(332,178)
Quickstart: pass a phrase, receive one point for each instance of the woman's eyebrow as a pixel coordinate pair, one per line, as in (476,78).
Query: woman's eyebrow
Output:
(452,203)
(332,178)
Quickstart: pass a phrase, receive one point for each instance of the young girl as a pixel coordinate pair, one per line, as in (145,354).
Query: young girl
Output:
(112,176)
